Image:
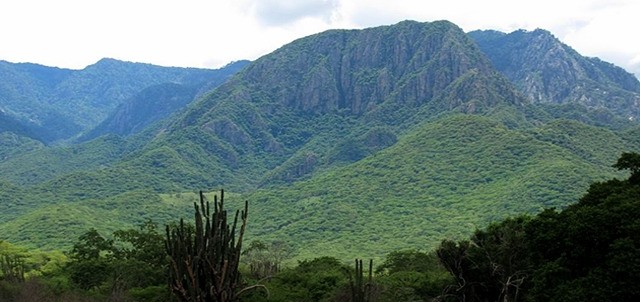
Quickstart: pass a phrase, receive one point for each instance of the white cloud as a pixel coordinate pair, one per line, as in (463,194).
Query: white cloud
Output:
(211,33)
(284,12)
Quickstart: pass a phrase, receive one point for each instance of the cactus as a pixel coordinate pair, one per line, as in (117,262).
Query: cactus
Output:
(361,291)
(204,258)
(12,268)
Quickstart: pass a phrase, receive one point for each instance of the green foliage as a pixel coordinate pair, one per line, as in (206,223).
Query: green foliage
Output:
(588,251)
(22,269)
(599,146)
(488,172)
(12,267)
(44,164)
(33,262)
(133,263)
(12,145)
(319,279)
(493,265)
(631,162)
(442,179)
(265,260)
(91,245)
(411,275)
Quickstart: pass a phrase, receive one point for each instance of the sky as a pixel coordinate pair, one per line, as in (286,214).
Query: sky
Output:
(212,33)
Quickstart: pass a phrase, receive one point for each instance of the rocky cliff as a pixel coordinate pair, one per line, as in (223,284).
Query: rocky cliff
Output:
(548,71)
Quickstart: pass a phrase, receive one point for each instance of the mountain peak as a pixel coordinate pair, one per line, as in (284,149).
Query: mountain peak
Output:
(329,86)
(357,70)
(548,71)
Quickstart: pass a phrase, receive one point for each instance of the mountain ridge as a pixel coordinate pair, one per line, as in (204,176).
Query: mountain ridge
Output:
(549,71)
(60,103)
(344,142)
(307,83)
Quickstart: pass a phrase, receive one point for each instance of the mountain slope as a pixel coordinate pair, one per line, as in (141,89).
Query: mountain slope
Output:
(548,71)
(12,145)
(151,104)
(41,164)
(11,124)
(97,89)
(92,152)
(158,102)
(349,142)
(322,91)
(61,102)
(441,180)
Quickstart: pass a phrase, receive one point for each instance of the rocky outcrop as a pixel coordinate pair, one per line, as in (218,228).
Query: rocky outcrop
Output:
(356,70)
(548,71)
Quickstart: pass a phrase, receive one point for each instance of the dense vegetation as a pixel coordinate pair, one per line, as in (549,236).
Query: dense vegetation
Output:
(462,171)
(588,251)
(52,104)
(377,143)
(363,133)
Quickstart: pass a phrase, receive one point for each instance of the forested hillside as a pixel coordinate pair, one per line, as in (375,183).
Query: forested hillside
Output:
(346,142)
(56,104)
(588,250)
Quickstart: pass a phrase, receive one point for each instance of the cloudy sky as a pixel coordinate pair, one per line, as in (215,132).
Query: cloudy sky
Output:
(211,33)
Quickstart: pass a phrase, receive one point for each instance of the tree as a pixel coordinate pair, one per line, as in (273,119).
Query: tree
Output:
(140,262)
(12,267)
(319,279)
(90,258)
(264,259)
(492,266)
(411,275)
(591,250)
(130,264)
(91,245)
(630,161)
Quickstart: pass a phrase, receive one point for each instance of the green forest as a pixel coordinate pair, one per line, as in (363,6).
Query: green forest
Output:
(409,162)
(588,251)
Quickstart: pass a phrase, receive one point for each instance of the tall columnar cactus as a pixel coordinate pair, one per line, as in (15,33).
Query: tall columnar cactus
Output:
(11,268)
(361,291)
(204,258)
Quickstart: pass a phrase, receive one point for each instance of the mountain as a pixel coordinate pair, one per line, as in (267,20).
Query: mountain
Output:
(548,71)
(60,103)
(157,102)
(149,105)
(144,108)
(301,108)
(443,179)
(346,143)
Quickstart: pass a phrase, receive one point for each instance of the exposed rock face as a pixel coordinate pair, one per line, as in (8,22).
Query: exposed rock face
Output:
(354,71)
(548,71)
(311,103)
